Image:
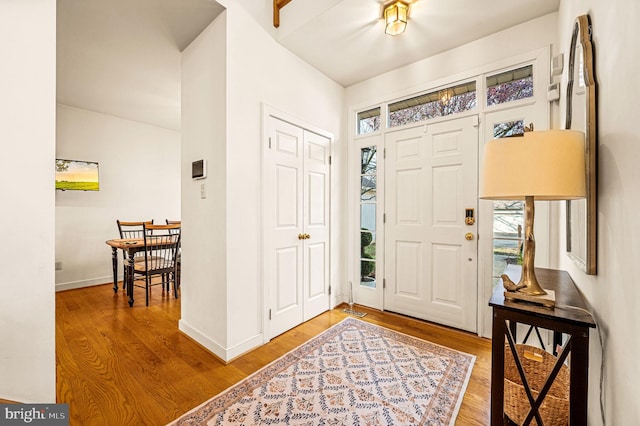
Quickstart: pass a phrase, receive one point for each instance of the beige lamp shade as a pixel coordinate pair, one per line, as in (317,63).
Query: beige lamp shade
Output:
(548,165)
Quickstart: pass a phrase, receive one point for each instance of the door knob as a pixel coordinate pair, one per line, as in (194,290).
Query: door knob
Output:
(468,236)
(307,236)
(301,236)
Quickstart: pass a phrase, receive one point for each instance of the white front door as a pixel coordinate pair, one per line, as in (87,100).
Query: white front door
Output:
(296,201)
(431,181)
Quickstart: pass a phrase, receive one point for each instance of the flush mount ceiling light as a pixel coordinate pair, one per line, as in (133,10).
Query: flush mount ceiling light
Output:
(395,18)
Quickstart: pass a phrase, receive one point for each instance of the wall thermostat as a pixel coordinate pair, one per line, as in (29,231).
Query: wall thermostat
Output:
(199,169)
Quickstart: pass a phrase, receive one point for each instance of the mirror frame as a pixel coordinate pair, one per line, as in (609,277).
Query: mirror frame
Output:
(582,32)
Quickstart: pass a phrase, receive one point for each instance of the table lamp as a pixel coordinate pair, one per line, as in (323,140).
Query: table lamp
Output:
(542,165)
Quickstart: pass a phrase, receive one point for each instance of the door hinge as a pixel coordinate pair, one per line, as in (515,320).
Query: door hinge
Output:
(384,218)
(269,313)
(329,160)
(384,152)
(269,142)
(384,283)
(329,290)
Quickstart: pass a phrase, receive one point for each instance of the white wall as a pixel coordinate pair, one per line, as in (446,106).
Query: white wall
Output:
(613,293)
(204,237)
(512,42)
(27,117)
(139,167)
(262,71)
(258,71)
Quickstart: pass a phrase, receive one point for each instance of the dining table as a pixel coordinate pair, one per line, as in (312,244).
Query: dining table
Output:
(130,246)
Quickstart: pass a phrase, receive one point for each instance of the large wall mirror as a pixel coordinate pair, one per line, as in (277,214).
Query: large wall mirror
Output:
(581,115)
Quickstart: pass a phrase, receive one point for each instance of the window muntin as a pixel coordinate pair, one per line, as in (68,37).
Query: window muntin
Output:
(369,121)
(451,100)
(368,205)
(510,86)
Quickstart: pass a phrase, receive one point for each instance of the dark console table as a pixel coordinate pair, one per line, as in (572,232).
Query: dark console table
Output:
(570,317)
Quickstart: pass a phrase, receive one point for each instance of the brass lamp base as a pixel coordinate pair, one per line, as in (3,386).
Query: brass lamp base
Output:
(528,288)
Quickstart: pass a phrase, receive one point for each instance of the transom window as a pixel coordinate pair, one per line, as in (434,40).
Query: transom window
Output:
(448,101)
(369,121)
(510,86)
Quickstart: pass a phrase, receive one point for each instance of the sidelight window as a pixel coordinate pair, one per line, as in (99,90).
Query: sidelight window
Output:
(368,202)
(508,217)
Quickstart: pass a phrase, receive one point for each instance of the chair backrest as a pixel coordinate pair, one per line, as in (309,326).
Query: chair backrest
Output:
(132,229)
(161,245)
(174,222)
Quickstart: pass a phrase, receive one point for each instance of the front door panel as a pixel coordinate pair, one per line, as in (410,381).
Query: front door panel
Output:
(430,267)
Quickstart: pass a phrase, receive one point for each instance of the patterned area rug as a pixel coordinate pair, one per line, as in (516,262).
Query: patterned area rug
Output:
(354,373)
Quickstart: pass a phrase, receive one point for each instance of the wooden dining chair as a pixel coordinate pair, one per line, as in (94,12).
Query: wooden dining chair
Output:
(178,268)
(132,229)
(161,245)
(128,229)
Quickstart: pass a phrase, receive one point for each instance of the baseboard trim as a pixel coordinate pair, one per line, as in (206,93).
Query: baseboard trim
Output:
(226,355)
(209,344)
(244,347)
(71,285)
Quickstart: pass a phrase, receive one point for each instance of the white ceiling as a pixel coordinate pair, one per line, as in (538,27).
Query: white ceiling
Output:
(122,57)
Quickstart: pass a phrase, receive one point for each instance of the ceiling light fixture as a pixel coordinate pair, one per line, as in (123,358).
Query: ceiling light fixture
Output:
(395,18)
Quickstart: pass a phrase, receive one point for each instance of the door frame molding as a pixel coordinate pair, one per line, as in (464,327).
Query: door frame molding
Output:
(267,113)
(539,58)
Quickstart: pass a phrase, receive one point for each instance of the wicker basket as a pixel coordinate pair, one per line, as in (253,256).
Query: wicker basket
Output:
(537,365)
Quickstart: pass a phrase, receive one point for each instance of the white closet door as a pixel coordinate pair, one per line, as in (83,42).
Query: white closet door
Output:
(316,224)
(297,206)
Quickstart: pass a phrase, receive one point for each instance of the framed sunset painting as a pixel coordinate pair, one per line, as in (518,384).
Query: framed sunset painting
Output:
(77,175)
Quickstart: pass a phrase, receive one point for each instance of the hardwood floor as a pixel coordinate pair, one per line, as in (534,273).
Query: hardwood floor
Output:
(131,366)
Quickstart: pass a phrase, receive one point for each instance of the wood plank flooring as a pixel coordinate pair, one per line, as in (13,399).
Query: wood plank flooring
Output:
(131,366)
